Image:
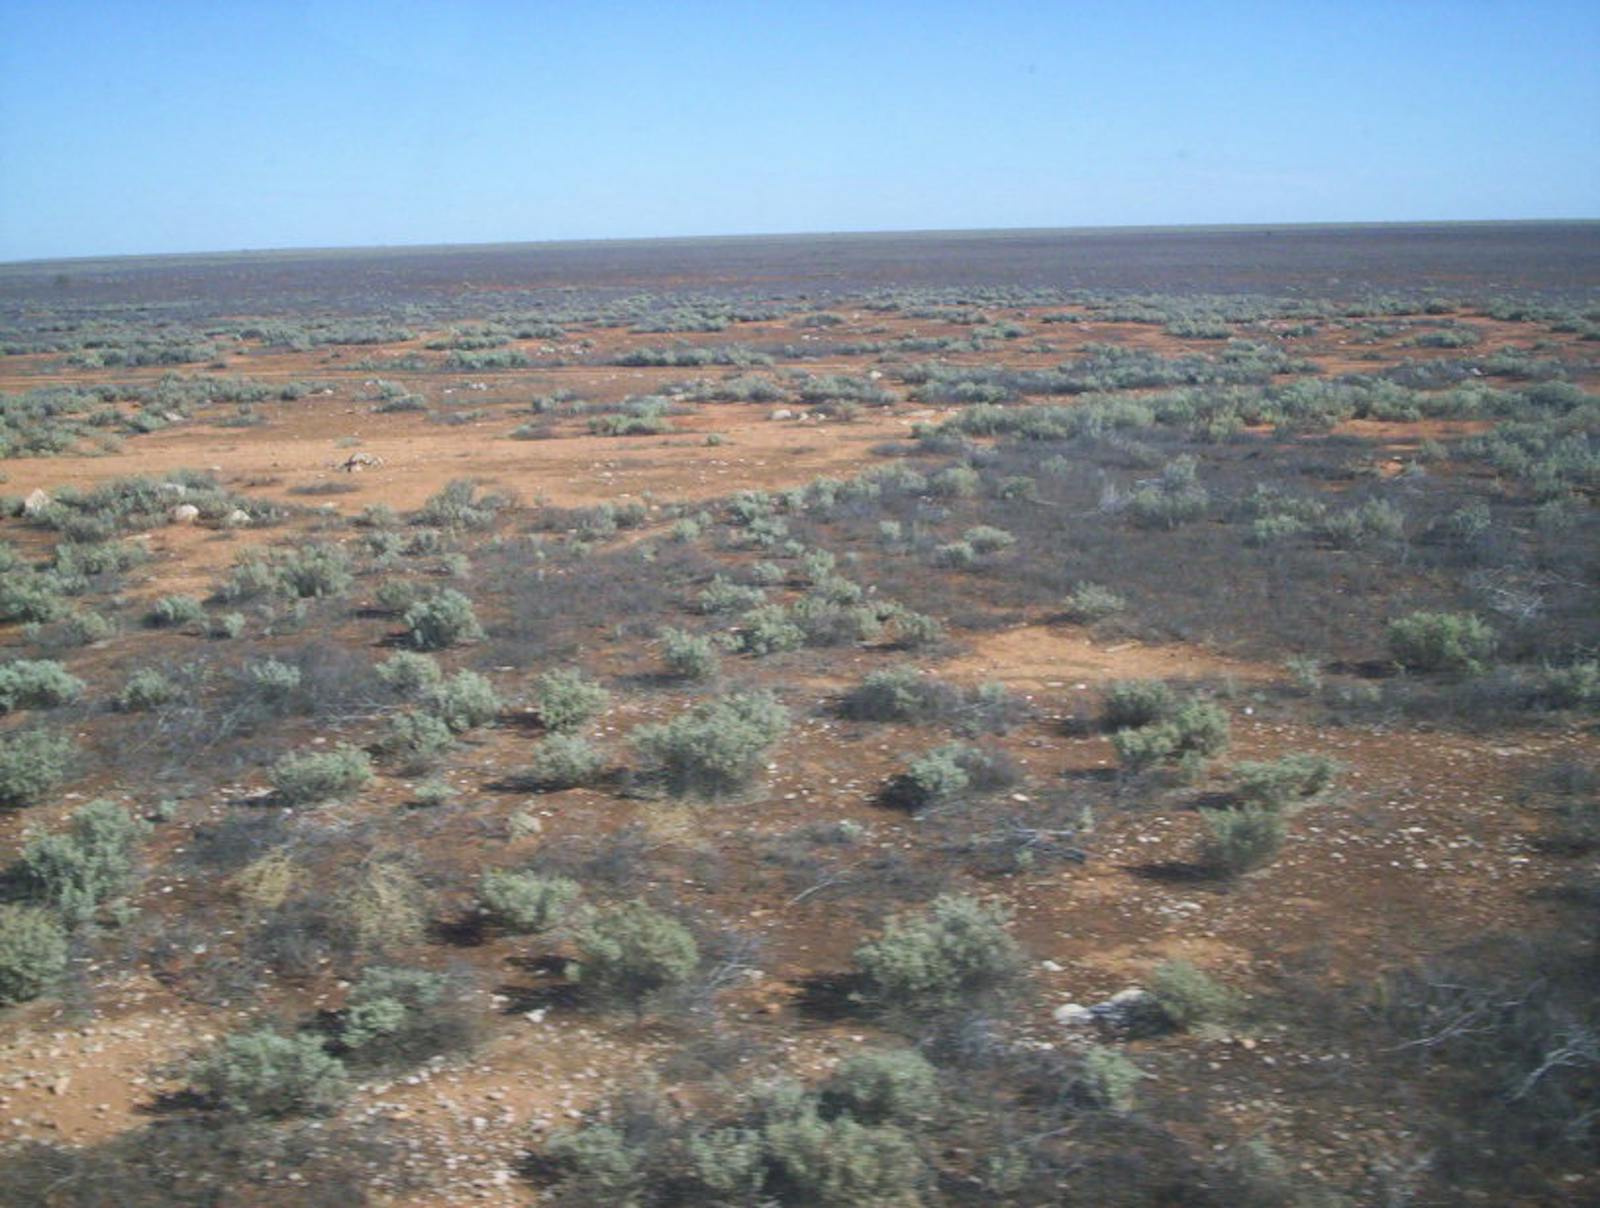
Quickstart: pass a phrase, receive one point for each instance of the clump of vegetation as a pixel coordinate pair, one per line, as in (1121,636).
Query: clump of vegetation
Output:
(443,620)
(175,612)
(955,954)
(630,955)
(564,761)
(1283,781)
(75,870)
(1187,735)
(1456,642)
(689,656)
(36,684)
(1091,602)
(526,902)
(146,689)
(313,777)
(397,1017)
(32,764)
(1238,841)
(716,747)
(1188,996)
(33,952)
(944,774)
(568,699)
(263,1074)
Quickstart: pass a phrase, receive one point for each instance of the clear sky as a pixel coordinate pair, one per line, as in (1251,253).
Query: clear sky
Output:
(189,125)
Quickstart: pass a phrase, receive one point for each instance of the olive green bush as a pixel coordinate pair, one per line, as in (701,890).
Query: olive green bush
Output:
(36,684)
(32,763)
(317,776)
(954,954)
(33,952)
(261,1073)
(526,902)
(716,747)
(630,955)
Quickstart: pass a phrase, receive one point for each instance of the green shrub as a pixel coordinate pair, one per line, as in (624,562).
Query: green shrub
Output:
(146,689)
(1188,996)
(465,701)
(1575,686)
(567,699)
(416,741)
(317,776)
(985,539)
(631,954)
(315,571)
(689,656)
(885,1086)
(32,763)
(87,628)
(1130,704)
(945,773)
(36,684)
(33,952)
(956,953)
(273,681)
(173,612)
(769,630)
(914,630)
(1109,1079)
(261,1073)
(1239,841)
(1090,602)
(599,1166)
(722,595)
(564,761)
(715,747)
(395,1017)
(1441,641)
(955,482)
(74,871)
(1193,732)
(25,596)
(898,693)
(526,902)
(842,1164)
(412,676)
(441,621)
(1275,784)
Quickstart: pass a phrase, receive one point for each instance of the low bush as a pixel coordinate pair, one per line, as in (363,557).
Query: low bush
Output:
(566,699)
(689,656)
(32,763)
(1090,602)
(1280,782)
(33,952)
(716,747)
(73,871)
(413,677)
(882,1087)
(318,776)
(526,902)
(441,621)
(1240,841)
(955,954)
(416,741)
(563,761)
(146,689)
(630,955)
(465,701)
(1188,996)
(396,1017)
(1441,641)
(36,684)
(261,1073)
(1108,1079)
(1130,704)
(174,612)
(841,1164)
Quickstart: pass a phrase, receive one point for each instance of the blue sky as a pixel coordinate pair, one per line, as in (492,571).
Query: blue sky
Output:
(178,126)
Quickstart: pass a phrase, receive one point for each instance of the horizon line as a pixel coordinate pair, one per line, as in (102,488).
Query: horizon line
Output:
(1088,229)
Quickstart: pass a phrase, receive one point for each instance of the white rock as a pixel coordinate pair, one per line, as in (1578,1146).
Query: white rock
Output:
(781,413)
(36,502)
(1073,1015)
(184,513)
(237,518)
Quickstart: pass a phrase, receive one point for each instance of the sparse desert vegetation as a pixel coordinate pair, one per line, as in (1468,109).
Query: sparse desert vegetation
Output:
(890,742)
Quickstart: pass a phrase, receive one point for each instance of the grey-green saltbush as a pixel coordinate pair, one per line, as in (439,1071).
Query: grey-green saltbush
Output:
(1189,996)
(769,630)
(689,656)
(526,902)
(73,871)
(33,952)
(841,1164)
(564,761)
(1090,602)
(316,776)
(172,612)
(1441,641)
(1195,731)
(146,688)
(36,684)
(412,676)
(465,701)
(885,1086)
(715,747)
(261,1073)
(567,699)
(32,763)
(441,621)
(631,954)
(1133,703)
(416,740)
(956,953)
(1109,1079)
(1239,841)
(1283,781)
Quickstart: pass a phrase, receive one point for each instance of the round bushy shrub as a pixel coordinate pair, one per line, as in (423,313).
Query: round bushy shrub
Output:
(36,684)
(1441,641)
(33,952)
(526,902)
(32,762)
(1239,841)
(954,954)
(567,699)
(891,1085)
(442,620)
(631,953)
(316,776)
(564,761)
(717,746)
(689,656)
(261,1073)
